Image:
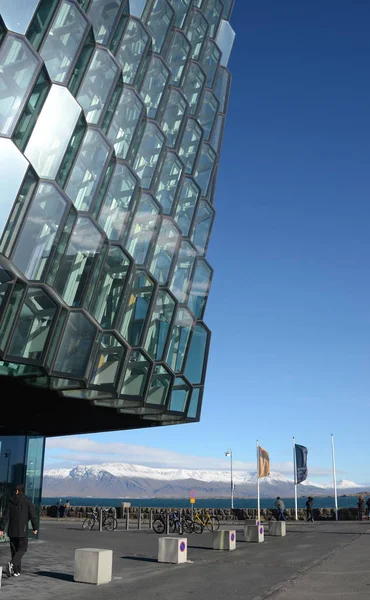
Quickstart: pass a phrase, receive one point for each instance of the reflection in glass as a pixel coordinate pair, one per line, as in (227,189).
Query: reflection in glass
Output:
(63,41)
(117,202)
(40,229)
(164,251)
(137,309)
(41,21)
(194,403)
(33,326)
(18,15)
(202,227)
(210,60)
(136,376)
(179,396)
(158,22)
(196,32)
(13,168)
(5,284)
(31,111)
(154,84)
(213,12)
(159,386)
(179,339)
(216,137)
(142,229)
(173,117)
(183,270)
(76,346)
(108,362)
(97,85)
(196,355)
(177,56)
(159,326)
(205,167)
(181,8)
(190,144)
(18,67)
(8,317)
(75,268)
(228,4)
(207,113)
(51,134)
(221,88)
(193,86)
(225,41)
(87,170)
(148,154)
(131,50)
(168,181)
(186,205)
(102,15)
(124,122)
(200,289)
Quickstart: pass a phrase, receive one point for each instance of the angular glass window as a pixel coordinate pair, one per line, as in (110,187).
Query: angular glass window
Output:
(196,32)
(228,5)
(18,67)
(137,309)
(109,287)
(63,41)
(208,113)
(159,386)
(124,122)
(33,326)
(136,376)
(186,205)
(159,326)
(40,229)
(182,273)
(41,21)
(61,246)
(221,88)
(154,85)
(6,279)
(8,317)
(213,13)
(13,168)
(200,289)
(205,167)
(190,143)
(193,86)
(168,180)
(102,15)
(225,40)
(158,22)
(31,111)
(88,169)
(202,227)
(117,202)
(216,137)
(209,61)
(132,50)
(181,8)
(196,355)
(142,229)
(148,154)
(75,349)
(76,265)
(97,85)
(107,364)
(164,251)
(179,396)
(180,336)
(51,135)
(177,56)
(18,15)
(173,117)
(194,403)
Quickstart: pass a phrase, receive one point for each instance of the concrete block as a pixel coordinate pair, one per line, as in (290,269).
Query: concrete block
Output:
(224,540)
(93,565)
(172,550)
(252,522)
(277,528)
(254,533)
(1,575)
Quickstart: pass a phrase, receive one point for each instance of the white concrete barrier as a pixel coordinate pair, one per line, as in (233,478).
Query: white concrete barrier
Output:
(224,540)
(277,528)
(93,565)
(172,550)
(254,533)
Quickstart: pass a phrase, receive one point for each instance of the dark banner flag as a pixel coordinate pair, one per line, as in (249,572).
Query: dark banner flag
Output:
(301,463)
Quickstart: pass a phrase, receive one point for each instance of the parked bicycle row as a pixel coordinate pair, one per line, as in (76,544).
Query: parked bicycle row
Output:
(180,524)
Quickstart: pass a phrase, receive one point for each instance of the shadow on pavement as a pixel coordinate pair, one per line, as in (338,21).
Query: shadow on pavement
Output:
(200,547)
(140,559)
(54,575)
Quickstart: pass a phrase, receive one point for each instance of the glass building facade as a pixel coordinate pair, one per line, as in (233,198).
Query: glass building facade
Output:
(111,121)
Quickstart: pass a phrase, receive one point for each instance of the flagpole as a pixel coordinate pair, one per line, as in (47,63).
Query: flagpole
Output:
(334,478)
(295,481)
(258,484)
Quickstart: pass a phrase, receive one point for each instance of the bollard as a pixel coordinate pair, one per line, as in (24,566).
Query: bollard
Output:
(151,519)
(167,523)
(139,519)
(100,519)
(127,519)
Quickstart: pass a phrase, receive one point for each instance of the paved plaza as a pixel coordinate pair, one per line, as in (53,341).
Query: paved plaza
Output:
(321,561)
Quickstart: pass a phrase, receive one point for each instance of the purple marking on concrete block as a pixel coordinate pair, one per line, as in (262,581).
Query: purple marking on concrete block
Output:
(182,547)
(233,537)
(261,530)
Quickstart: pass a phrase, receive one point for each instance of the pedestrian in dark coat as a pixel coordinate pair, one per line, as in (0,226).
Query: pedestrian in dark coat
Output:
(361,507)
(19,511)
(309,509)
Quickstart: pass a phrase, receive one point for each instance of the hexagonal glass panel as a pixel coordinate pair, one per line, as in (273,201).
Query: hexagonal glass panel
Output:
(199,290)
(33,326)
(136,7)
(142,229)
(193,409)
(31,111)
(6,279)
(164,251)
(51,134)
(197,354)
(158,22)
(179,396)
(154,85)
(39,232)
(160,386)
(209,61)
(221,88)
(88,169)
(190,144)
(103,15)
(217,132)
(108,362)
(63,41)
(208,112)
(116,205)
(97,85)
(76,345)
(183,270)
(137,309)
(168,180)
(179,339)
(18,67)
(159,326)
(196,32)
(228,5)
(177,56)
(13,168)
(8,317)
(213,11)
(173,116)
(193,86)
(181,8)
(124,122)
(202,227)
(136,376)
(186,205)
(131,50)
(18,15)
(225,41)
(41,21)
(77,263)
(205,167)
(148,154)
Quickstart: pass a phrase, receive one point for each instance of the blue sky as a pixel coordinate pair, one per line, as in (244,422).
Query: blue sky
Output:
(290,302)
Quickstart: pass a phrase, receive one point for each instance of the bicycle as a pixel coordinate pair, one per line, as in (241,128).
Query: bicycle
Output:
(211,522)
(176,524)
(109,522)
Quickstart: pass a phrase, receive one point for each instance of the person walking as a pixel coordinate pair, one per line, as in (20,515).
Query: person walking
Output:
(309,509)
(281,507)
(19,511)
(67,508)
(361,507)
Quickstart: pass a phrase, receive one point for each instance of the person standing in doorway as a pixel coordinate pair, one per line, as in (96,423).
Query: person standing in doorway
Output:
(19,511)
(281,507)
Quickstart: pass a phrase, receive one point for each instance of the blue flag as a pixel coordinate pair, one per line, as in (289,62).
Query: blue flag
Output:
(301,463)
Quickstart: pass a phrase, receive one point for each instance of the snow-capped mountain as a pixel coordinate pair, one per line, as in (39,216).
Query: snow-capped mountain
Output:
(136,481)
